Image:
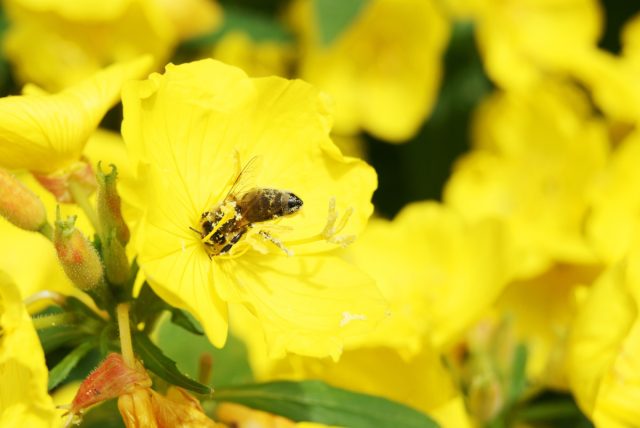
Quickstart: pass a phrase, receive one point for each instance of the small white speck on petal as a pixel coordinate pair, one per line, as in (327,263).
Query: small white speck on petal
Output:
(347,317)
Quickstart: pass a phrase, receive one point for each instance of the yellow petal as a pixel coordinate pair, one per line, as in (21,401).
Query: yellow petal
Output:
(306,304)
(603,361)
(45,133)
(23,374)
(57,44)
(518,52)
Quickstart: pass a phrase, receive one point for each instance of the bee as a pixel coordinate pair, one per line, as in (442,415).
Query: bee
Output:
(226,224)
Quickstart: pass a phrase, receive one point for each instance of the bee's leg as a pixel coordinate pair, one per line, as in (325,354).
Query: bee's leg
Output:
(232,242)
(278,243)
(196,231)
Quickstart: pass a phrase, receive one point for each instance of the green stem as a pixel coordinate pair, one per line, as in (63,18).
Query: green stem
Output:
(48,321)
(82,200)
(125,335)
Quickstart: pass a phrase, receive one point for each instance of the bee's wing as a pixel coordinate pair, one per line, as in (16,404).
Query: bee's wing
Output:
(246,179)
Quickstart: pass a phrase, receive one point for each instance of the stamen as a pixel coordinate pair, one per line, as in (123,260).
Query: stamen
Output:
(330,231)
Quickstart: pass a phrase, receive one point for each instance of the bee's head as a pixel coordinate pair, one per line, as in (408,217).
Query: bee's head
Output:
(294,203)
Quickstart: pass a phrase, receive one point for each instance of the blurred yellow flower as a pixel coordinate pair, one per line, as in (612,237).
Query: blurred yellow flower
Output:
(47,133)
(537,154)
(24,401)
(539,311)
(603,359)
(257,59)
(422,381)
(614,80)
(56,44)
(190,131)
(523,41)
(614,220)
(383,71)
(430,264)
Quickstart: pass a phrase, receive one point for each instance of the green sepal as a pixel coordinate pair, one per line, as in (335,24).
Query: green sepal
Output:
(54,337)
(315,401)
(184,320)
(333,17)
(155,361)
(148,307)
(518,375)
(64,367)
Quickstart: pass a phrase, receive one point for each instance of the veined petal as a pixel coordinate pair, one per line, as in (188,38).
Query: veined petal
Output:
(45,133)
(23,374)
(306,304)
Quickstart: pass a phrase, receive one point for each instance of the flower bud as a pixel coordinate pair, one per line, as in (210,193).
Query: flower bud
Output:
(112,378)
(486,398)
(20,205)
(78,257)
(116,264)
(109,214)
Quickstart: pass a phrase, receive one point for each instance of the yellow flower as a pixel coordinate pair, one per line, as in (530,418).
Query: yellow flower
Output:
(522,41)
(257,59)
(537,153)
(24,401)
(613,223)
(539,312)
(47,133)
(383,71)
(56,44)
(438,272)
(191,130)
(603,360)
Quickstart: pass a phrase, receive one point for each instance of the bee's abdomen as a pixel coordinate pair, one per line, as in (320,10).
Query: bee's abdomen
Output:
(266,204)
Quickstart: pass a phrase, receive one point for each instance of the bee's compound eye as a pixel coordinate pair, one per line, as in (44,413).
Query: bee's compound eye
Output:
(294,203)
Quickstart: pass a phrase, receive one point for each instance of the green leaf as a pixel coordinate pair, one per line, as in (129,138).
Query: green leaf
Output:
(155,360)
(64,367)
(335,16)
(55,337)
(315,401)
(231,362)
(148,305)
(184,320)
